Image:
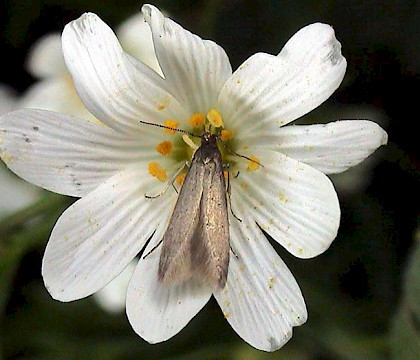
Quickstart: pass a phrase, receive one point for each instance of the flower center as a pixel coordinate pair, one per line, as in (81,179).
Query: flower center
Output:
(180,149)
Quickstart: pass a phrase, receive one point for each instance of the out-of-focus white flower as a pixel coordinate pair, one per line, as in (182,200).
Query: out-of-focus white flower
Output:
(135,38)
(113,165)
(113,296)
(55,89)
(8,99)
(15,194)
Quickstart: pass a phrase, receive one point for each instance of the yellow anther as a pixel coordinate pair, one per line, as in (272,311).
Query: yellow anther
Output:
(253,163)
(180,179)
(225,174)
(156,170)
(171,124)
(197,120)
(226,135)
(165,148)
(215,118)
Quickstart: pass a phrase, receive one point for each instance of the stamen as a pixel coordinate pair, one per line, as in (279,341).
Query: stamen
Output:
(197,120)
(253,163)
(226,135)
(157,171)
(189,142)
(171,124)
(165,148)
(215,118)
(180,179)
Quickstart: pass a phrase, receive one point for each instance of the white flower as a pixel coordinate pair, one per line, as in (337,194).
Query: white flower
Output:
(113,167)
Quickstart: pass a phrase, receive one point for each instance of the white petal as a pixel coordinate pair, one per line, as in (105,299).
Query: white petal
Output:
(330,148)
(261,300)
(196,68)
(45,59)
(112,298)
(267,91)
(115,87)
(157,312)
(294,203)
(64,154)
(95,238)
(136,39)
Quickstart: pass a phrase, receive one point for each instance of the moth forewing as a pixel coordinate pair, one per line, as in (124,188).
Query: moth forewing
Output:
(196,243)
(211,253)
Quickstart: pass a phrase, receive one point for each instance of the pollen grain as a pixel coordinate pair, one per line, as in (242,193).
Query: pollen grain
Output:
(171,124)
(253,163)
(197,120)
(180,179)
(157,171)
(226,135)
(165,148)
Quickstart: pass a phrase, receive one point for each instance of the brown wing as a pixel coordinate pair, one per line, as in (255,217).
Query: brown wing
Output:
(196,243)
(210,243)
(174,263)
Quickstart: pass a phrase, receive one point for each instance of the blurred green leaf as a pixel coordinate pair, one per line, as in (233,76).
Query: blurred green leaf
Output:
(23,231)
(405,332)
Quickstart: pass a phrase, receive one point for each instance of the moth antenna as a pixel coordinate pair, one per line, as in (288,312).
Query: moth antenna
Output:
(169,128)
(235,153)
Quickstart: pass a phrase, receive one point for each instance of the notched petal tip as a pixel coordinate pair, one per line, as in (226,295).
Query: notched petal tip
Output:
(334,54)
(321,39)
(82,21)
(77,27)
(154,18)
(384,136)
(372,131)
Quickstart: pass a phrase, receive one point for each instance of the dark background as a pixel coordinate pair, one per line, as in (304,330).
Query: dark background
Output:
(356,292)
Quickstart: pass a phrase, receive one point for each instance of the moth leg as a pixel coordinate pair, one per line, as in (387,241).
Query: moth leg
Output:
(235,153)
(169,183)
(229,192)
(153,249)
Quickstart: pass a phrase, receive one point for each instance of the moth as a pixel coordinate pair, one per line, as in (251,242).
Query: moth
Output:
(196,243)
